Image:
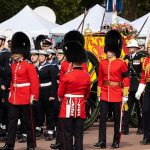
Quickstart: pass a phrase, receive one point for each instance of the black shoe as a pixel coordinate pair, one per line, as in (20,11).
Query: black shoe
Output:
(30,148)
(56,146)
(48,137)
(7,147)
(100,145)
(38,133)
(4,138)
(114,145)
(145,141)
(2,132)
(22,139)
(125,133)
(139,131)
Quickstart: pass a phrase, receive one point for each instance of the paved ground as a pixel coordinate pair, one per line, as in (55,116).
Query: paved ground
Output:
(128,142)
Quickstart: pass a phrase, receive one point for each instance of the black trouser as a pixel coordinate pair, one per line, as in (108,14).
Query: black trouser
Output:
(13,114)
(45,107)
(4,113)
(146,124)
(73,127)
(38,114)
(58,124)
(146,111)
(116,109)
(138,104)
(4,107)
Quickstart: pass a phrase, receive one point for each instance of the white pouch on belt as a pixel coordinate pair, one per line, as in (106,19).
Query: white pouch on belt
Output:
(68,107)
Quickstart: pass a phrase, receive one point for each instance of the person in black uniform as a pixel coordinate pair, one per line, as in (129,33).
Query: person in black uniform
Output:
(5,77)
(134,68)
(48,93)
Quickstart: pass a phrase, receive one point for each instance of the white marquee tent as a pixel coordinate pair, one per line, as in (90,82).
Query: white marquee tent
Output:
(138,23)
(94,18)
(28,21)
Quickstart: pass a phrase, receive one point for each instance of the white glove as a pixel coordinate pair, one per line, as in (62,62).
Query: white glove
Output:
(140,90)
(32,99)
(125,99)
(99,98)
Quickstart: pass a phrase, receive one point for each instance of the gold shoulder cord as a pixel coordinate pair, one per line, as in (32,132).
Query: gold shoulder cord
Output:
(146,68)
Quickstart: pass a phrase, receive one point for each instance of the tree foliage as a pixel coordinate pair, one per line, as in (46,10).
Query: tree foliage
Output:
(68,9)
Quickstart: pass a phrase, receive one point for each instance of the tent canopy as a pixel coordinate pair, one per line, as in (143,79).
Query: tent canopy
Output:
(138,23)
(94,18)
(28,21)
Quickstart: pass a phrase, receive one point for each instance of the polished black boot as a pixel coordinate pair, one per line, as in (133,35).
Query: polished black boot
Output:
(48,137)
(22,139)
(114,145)
(56,146)
(7,147)
(100,145)
(139,131)
(145,141)
(38,132)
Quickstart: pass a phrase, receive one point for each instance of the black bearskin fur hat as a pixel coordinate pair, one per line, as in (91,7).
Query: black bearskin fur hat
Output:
(20,44)
(75,52)
(113,42)
(74,35)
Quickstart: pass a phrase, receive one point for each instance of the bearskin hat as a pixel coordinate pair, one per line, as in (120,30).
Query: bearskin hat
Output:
(39,40)
(74,35)
(113,42)
(20,44)
(75,52)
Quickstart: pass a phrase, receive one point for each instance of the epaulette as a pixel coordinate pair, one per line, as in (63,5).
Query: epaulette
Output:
(142,59)
(143,63)
(28,61)
(120,59)
(127,61)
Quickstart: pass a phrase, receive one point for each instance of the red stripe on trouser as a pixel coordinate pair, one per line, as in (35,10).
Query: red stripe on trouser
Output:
(121,114)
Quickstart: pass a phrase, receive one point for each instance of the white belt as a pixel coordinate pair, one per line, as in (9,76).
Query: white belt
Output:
(72,95)
(45,84)
(21,84)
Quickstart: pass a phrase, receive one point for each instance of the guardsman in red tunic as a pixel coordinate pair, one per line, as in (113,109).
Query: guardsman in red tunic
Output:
(113,84)
(65,67)
(24,90)
(145,86)
(73,91)
(72,36)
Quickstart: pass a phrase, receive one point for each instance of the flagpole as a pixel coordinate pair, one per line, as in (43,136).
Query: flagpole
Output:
(85,14)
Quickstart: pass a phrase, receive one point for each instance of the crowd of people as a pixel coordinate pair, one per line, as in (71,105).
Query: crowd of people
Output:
(44,90)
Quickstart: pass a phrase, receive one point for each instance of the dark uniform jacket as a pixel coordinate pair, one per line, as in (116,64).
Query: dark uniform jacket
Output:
(48,74)
(5,71)
(134,68)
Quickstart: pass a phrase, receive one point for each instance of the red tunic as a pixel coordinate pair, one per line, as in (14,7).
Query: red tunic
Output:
(145,70)
(76,82)
(112,71)
(24,83)
(66,66)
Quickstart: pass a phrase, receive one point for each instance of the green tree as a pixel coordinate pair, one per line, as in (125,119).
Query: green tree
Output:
(68,9)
